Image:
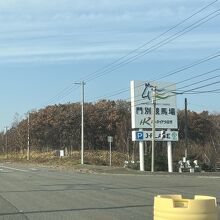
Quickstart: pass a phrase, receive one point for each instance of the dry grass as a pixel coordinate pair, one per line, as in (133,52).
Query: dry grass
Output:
(51,158)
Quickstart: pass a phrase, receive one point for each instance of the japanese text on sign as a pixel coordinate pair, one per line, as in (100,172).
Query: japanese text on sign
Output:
(142,107)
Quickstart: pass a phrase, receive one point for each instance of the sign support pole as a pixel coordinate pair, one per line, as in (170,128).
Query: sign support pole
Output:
(110,140)
(169,156)
(153,129)
(141,154)
(110,146)
(153,107)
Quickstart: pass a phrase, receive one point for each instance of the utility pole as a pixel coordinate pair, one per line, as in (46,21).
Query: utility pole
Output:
(186,128)
(153,128)
(2,143)
(28,140)
(169,155)
(6,141)
(82,83)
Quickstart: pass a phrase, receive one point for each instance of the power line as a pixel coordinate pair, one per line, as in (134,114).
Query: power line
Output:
(103,70)
(184,68)
(197,76)
(178,70)
(217,91)
(194,77)
(174,93)
(204,80)
(63,93)
(200,87)
(147,43)
(196,88)
(160,44)
(100,110)
(163,43)
(190,65)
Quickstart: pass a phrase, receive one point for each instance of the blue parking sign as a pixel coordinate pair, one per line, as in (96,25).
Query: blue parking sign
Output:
(140,135)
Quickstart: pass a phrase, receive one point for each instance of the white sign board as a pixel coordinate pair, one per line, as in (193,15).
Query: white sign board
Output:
(142,105)
(110,139)
(147,136)
(61,153)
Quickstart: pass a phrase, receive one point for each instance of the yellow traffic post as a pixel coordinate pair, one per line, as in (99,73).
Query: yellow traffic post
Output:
(174,207)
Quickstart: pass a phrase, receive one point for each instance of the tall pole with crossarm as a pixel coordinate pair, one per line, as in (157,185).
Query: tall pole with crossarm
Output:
(6,141)
(28,138)
(186,128)
(82,83)
(153,128)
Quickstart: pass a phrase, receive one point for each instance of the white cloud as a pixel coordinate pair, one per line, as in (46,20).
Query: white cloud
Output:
(92,29)
(38,10)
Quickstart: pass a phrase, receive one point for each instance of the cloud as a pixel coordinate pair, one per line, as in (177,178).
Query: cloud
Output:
(99,13)
(93,29)
(41,10)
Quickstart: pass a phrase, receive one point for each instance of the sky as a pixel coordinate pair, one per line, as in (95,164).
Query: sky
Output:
(48,46)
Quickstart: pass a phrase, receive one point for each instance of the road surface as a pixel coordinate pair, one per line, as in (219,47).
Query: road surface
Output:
(43,193)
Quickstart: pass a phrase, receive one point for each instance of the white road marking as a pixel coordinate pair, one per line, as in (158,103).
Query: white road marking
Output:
(33,169)
(11,168)
(209,177)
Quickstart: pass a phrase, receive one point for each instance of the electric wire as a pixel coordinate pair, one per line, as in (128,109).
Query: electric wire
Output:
(100,110)
(169,40)
(63,93)
(201,92)
(158,45)
(187,31)
(210,84)
(175,94)
(150,41)
(204,80)
(178,70)
(195,83)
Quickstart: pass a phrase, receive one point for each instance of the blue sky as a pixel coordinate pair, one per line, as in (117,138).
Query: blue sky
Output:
(46,46)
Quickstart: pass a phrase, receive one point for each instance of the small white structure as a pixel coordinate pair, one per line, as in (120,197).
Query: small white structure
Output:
(61,153)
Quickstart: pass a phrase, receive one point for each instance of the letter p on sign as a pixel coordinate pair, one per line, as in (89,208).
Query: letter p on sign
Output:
(139,135)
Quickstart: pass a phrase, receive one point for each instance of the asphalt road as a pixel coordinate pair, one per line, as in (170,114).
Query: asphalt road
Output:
(42,193)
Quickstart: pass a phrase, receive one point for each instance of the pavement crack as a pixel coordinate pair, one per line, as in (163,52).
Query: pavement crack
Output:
(7,208)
